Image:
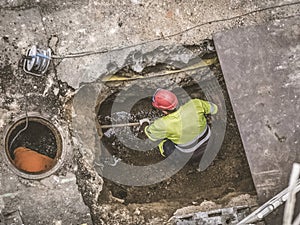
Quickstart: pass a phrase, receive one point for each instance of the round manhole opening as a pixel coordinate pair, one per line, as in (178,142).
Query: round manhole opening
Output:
(33,147)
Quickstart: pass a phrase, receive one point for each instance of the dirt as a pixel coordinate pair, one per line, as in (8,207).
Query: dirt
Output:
(229,172)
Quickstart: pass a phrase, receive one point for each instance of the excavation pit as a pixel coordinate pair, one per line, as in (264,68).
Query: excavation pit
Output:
(33,147)
(229,174)
(126,182)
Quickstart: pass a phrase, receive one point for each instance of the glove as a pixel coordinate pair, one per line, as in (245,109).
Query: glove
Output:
(143,123)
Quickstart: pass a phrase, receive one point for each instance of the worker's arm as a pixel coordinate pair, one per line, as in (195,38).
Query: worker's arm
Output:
(208,107)
(156,131)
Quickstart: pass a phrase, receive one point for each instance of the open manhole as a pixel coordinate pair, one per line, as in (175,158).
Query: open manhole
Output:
(33,147)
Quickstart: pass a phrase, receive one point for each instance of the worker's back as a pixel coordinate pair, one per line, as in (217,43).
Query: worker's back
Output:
(183,125)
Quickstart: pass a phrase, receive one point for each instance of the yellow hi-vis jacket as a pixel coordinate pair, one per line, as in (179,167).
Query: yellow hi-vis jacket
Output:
(182,126)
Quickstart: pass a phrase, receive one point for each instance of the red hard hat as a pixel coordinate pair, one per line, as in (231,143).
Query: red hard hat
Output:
(164,100)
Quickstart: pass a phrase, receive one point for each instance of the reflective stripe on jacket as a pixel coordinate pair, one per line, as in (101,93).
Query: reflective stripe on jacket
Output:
(184,125)
(196,143)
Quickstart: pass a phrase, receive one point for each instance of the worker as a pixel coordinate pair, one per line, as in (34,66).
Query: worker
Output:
(182,128)
(31,161)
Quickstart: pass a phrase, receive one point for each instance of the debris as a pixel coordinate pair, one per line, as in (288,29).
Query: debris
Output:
(108,161)
(13,218)
(204,206)
(53,40)
(112,161)
(219,216)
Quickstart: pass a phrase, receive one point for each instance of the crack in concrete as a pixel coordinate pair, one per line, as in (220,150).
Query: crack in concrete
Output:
(278,137)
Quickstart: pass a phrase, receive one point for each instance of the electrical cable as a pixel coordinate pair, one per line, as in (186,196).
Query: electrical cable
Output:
(101,51)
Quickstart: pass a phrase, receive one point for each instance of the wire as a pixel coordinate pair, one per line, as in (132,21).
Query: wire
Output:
(105,50)
(81,54)
(232,18)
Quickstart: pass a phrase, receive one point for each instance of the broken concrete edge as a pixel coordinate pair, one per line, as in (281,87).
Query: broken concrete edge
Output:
(134,58)
(184,38)
(137,213)
(88,159)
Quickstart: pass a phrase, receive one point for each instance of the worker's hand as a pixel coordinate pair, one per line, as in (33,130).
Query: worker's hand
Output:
(143,123)
(146,120)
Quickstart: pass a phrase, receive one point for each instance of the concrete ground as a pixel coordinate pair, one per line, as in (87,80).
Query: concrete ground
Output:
(268,71)
(121,32)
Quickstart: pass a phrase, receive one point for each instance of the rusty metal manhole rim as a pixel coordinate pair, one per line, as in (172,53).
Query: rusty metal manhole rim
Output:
(60,141)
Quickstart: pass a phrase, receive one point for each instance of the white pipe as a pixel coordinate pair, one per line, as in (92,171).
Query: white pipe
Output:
(290,203)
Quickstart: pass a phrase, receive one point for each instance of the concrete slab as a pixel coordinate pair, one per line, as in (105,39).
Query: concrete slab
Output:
(82,26)
(18,30)
(54,200)
(261,66)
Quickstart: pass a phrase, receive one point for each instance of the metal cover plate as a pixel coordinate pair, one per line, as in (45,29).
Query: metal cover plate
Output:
(261,67)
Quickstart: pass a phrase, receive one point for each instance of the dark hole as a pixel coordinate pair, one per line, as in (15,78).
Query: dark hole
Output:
(5,38)
(214,214)
(122,194)
(119,192)
(37,137)
(239,210)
